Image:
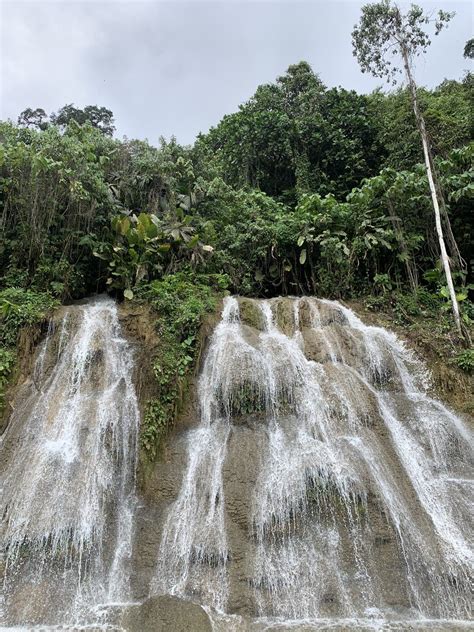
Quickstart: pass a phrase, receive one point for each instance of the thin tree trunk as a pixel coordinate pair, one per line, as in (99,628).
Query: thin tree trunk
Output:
(439,228)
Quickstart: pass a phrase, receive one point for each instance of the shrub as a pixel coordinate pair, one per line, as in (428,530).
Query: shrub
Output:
(465,360)
(180,302)
(19,307)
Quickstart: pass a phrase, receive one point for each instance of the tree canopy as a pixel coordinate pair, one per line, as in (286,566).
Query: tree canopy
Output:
(305,189)
(99,117)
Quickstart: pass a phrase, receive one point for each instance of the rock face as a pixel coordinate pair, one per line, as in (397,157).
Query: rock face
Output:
(165,613)
(293,487)
(308,476)
(67,466)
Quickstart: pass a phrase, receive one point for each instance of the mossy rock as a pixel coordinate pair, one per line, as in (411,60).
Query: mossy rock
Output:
(165,612)
(251,314)
(284,312)
(331,314)
(305,313)
(245,399)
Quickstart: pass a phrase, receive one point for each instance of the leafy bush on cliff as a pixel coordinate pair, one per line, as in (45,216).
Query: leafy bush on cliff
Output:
(18,308)
(180,302)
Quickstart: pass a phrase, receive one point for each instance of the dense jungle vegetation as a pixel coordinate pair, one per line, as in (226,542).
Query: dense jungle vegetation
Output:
(304,190)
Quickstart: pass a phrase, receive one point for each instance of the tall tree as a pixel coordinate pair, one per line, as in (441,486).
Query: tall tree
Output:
(33,118)
(99,117)
(382,35)
(469,49)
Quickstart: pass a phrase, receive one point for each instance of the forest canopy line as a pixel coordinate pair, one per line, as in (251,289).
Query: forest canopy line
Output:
(304,189)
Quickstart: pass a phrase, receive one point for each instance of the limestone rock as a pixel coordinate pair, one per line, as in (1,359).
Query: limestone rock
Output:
(164,613)
(250,313)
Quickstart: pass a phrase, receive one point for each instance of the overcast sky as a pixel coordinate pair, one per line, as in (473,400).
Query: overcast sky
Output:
(177,67)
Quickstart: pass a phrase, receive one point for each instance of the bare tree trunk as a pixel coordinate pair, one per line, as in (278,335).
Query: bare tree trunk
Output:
(439,228)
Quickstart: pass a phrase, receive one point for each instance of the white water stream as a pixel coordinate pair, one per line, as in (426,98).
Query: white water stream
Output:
(68,461)
(362,505)
(322,488)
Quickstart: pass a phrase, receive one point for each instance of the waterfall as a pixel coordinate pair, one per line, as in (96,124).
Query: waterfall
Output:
(322,482)
(194,551)
(67,465)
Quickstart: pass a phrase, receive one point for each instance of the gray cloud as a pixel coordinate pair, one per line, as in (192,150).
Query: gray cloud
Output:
(177,67)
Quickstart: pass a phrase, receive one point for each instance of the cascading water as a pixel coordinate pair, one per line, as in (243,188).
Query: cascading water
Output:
(67,465)
(194,550)
(322,483)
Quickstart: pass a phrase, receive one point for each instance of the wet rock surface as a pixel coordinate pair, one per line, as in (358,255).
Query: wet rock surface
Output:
(67,466)
(298,481)
(353,530)
(165,613)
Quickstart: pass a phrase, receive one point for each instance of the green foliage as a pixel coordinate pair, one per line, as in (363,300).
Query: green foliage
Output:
(146,247)
(53,191)
(383,31)
(329,246)
(294,137)
(469,49)
(437,282)
(465,360)
(303,190)
(181,299)
(33,118)
(19,308)
(407,308)
(245,400)
(99,117)
(242,226)
(155,424)
(7,360)
(447,112)
(180,302)
(383,282)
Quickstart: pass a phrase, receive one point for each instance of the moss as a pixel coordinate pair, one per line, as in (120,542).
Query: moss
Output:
(7,360)
(249,399)
(285,315)
(244,400)
(171,368)
(179,303)
(465,360)
(323,491)
(154,426)
(250,313)
(18,308)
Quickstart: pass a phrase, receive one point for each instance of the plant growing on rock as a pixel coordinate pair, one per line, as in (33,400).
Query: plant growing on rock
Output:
(179,302)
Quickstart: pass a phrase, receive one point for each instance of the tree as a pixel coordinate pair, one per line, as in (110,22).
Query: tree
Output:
(447,110)
(99,117)
(33,118)
(383,31)
(469,49)
(294,137)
